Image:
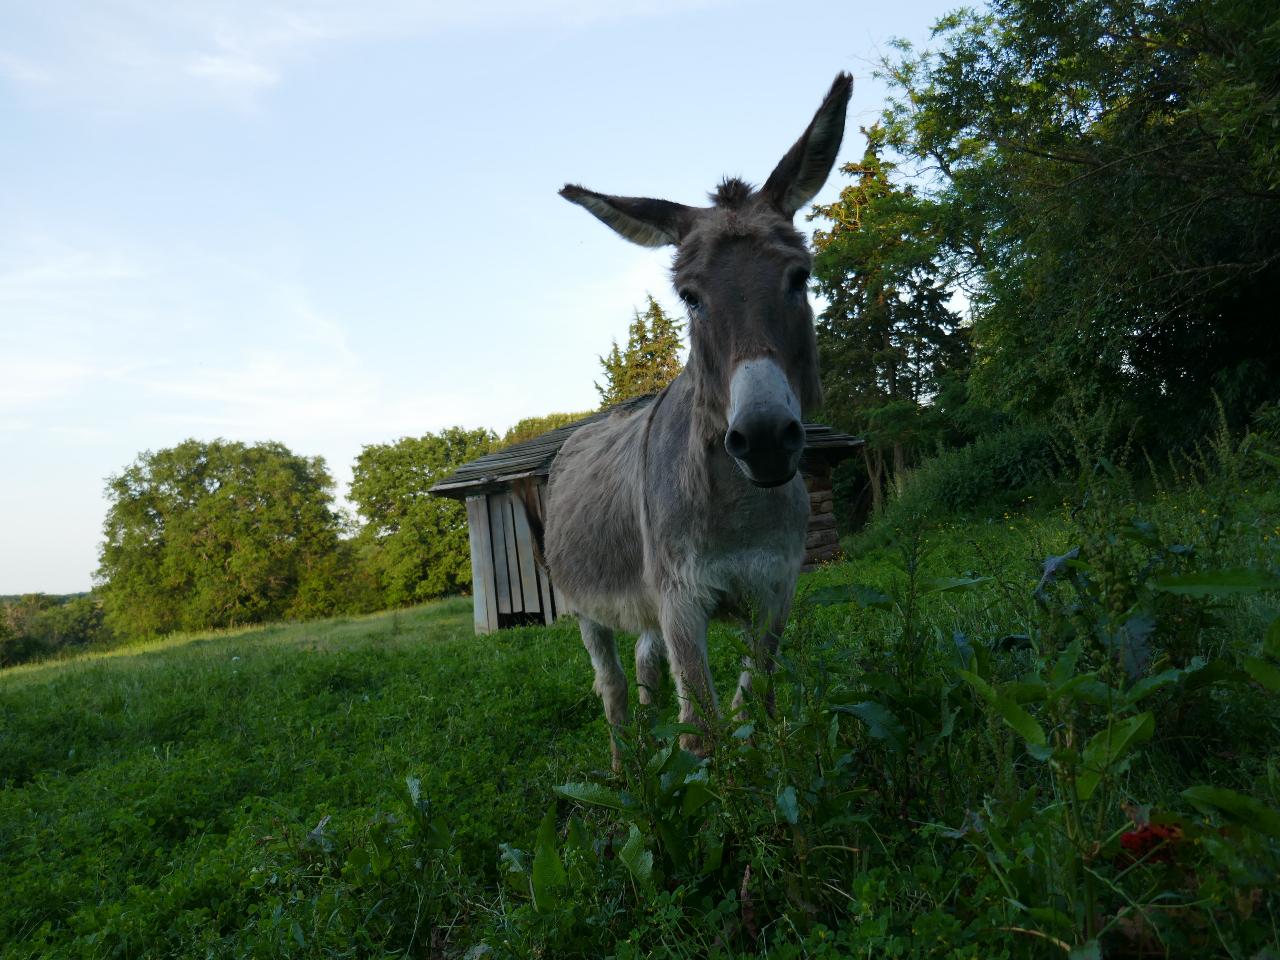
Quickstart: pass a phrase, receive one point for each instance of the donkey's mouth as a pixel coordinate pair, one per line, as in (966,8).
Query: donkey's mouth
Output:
(770,484)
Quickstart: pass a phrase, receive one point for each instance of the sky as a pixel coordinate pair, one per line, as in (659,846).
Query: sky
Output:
(335,224)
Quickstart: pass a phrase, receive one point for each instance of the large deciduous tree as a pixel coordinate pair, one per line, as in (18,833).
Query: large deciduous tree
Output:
(531,427)
(215,534)
(887,337)
(1110,175)
(416,544)
(650,361)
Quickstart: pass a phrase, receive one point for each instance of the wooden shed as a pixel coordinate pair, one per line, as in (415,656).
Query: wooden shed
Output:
(509,589)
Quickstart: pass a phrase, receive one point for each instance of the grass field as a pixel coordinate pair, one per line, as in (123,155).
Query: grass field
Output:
(385,785)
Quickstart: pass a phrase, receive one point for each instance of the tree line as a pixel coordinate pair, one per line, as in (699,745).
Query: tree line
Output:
(1067,204)
(213,534)
(1064,204)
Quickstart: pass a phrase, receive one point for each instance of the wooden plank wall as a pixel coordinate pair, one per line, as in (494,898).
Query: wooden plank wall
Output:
(483,594)
(498,550)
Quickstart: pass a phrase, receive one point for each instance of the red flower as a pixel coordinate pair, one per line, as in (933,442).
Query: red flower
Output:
(1153,842)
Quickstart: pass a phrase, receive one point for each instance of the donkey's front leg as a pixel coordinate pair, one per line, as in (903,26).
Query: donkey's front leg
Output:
(611,682)
(764,644)
(684,629)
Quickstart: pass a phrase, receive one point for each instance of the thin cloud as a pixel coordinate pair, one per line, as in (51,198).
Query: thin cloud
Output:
(124,56)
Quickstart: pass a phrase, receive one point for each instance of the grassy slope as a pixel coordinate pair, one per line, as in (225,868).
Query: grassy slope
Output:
(144,781)
(164,793)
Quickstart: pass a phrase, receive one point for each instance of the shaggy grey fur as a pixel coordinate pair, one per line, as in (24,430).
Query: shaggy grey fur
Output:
(651,525)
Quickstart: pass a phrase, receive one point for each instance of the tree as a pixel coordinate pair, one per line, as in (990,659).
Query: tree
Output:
(531,427)
(650,361)
(216,534)
(887,337)
(417,544)
(1109,178)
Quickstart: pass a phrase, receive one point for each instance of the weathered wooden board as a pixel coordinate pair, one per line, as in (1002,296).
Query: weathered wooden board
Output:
(532,603)
(498,540)
(483,600)
(513,562)
(544,578)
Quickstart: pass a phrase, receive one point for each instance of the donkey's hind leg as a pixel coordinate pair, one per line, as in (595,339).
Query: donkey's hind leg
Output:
(764,643)
(649,656)
(611,682)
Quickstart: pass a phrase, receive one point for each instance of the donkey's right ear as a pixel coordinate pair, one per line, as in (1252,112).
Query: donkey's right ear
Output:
(650,223)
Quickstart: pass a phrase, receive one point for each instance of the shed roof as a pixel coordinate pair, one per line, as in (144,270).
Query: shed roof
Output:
(532,458)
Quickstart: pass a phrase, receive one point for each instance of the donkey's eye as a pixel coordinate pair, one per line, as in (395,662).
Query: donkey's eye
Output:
(798,282)
(690,299)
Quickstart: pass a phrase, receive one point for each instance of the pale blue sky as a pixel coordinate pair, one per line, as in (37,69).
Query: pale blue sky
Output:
(333,224)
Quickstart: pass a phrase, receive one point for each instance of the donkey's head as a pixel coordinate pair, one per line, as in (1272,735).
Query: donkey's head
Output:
(742,269)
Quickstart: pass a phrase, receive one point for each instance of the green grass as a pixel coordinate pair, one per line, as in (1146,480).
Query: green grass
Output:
(244,793)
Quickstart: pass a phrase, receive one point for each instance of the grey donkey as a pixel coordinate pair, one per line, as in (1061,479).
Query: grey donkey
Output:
(691,507)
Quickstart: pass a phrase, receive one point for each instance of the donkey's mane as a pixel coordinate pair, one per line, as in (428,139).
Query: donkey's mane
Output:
(732,193)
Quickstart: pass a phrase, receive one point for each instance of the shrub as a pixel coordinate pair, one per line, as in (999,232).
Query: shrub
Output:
(994,466)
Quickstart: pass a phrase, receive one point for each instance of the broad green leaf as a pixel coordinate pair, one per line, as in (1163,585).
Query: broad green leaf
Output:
(1030,690)
(682,764)
(637,860)
(666,731)
(787,805)
(1150,685)
(945,584)
(1012,714)
(1218,583)
(1264,673)
(1215,671)
(592,794)
(880,721)
(696,795)
(1089,950)
(1108,747)
(661,757)
(549,877)
(1238,806)
(1065,667)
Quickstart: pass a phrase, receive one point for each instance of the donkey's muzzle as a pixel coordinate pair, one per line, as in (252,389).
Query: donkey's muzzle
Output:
(765,436)
(767,448)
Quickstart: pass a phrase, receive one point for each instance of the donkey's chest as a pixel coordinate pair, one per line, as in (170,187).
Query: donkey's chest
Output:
(752,555)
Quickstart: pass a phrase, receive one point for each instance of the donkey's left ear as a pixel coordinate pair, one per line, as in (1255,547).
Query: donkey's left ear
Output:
(801,173)
(648,222)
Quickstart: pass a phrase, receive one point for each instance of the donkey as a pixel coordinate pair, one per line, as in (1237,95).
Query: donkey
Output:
(691,508)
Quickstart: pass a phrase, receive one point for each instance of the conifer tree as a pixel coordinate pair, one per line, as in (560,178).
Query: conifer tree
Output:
(887,336)
(650,361)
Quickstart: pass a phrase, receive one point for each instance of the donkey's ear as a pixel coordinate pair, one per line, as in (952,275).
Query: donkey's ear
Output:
(801,173)
(650,223)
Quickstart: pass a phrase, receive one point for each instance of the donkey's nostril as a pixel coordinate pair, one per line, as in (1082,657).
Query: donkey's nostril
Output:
(735,442)
(792,438)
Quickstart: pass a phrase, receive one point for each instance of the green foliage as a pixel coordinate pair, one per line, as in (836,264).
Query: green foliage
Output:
(531,427)
(886,338)
(1000,466)
(650,361)
(415,544)
(973,754)
(214,534)
(1105,181)
(1059,750)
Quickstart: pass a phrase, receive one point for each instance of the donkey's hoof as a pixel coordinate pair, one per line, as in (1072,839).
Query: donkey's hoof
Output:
(695,743)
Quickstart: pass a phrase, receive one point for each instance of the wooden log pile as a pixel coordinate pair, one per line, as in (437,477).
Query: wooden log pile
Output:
(822,542)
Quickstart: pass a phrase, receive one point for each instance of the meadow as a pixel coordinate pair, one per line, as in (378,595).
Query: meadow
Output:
(1047,726)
